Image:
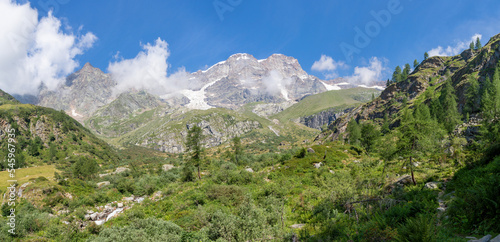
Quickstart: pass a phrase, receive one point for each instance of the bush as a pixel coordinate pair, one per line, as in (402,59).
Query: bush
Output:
(301,153)
(150,229)
(419,229)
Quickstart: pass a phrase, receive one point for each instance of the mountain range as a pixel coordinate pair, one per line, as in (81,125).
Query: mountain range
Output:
(229,89)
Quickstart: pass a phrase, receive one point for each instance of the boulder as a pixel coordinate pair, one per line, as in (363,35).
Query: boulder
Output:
(94,216)
(318,165)
(168,167)
(406,179)
(120,205)
(310,150)
(483,239)
(249,170)
(102,184)
(432,185)
(496,239)
(297,226)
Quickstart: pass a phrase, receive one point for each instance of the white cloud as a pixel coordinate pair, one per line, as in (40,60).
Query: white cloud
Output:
(274,83)
(148,71)
(35,51)
(368,74)
(453,50)
(328,66)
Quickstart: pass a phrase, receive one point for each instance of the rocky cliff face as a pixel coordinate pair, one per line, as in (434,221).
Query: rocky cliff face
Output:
(171,136)
(318,120)
(243,79)
(83,93)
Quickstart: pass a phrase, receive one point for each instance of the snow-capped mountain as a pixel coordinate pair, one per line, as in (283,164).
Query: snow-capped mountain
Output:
(243,79)
(229,84)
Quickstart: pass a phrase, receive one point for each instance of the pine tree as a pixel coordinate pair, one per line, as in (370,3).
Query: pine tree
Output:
(478,44)
(194,146)
(369,136)
(415,64)
(373,96)
(495,92)
(426,55)
(472,95)
(385,126)
(418,136)
(238,150)
(449,116)
(471,45)
(354,132)
(406,72)
(396,76)
(487,98)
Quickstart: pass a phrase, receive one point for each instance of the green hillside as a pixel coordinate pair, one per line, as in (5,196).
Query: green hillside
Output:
(340,99)
(45,136)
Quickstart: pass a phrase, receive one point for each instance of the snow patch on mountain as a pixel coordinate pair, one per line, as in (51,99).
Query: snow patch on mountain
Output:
(197,98)
(375,87)
(331,87)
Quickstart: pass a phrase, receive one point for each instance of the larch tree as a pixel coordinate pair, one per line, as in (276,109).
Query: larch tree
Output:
(449,116)
(478,44)
(194,146)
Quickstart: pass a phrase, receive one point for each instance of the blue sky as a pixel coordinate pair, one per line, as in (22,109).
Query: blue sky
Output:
(199,35)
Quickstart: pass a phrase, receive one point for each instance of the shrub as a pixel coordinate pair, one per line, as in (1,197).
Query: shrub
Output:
(422,228)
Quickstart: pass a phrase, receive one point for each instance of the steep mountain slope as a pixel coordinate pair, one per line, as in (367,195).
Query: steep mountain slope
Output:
(83,93)
(422,84)
(6,98)
(43,135)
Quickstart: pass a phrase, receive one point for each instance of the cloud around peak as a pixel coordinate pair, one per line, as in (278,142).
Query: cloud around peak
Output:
(35,52)
(147,71)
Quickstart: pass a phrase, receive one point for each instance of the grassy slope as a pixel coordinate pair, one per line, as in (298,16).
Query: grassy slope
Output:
(316,103)
(23,175)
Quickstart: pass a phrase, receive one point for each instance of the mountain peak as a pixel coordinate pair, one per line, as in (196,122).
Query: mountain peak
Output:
(87,66)
(241,56)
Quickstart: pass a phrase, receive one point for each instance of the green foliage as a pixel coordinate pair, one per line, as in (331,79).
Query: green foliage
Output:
(419,229)
(397,75)
(449,115)
(415,64)
(149,229)
(369,136)
(477,185)
(301,153)
(472,95)
(194,146)
(354,132)
(238,149)
(426,55)
(84,168)
(478,44)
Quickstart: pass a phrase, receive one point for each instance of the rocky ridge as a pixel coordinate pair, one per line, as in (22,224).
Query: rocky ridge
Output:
(430,73)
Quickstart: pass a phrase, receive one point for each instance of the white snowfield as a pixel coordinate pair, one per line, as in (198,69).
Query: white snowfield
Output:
(331,87)
(197,98)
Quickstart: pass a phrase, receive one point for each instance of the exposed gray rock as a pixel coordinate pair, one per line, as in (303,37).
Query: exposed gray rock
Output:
(318,165)
(249,170)
(318,120)
(310,150)
(483,239)
(496,239)
(83,93)
(102,184)
(168,167)
(297,226)
(432,185)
